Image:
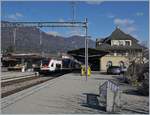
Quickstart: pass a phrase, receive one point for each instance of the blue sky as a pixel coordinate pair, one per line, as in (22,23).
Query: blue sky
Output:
(131,17)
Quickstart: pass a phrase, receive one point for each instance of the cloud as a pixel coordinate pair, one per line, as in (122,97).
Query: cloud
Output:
(18,14)
(110,15)
(123,22)
(94,2)
(130,29)
(15,16)
(127,25)
(76,31)
(139,14)
(54,33)
(12,16)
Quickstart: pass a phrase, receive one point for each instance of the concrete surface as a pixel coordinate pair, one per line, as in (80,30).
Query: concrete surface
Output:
(66,95)
(61,95)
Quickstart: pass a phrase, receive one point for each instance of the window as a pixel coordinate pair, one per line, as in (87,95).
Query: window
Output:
(99,43)
(126,54)
(52,65)
(45,62)
(121,43)
(127,43)
(115,43)
(115,53)
(139,54)
(58,66)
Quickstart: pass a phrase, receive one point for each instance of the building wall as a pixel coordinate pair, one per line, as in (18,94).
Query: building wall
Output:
(115,61)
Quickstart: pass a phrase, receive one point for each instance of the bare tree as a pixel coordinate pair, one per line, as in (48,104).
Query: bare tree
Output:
(134,68)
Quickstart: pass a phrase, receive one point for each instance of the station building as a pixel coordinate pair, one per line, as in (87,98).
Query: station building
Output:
(122,49)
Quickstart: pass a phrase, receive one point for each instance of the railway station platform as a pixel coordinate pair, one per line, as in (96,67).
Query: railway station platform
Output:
(65,94)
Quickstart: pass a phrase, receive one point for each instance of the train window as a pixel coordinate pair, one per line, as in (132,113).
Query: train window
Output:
(45,62)
(58,65)
(52,65)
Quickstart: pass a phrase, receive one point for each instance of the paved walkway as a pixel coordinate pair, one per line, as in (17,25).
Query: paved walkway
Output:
(61,95)
(66,95)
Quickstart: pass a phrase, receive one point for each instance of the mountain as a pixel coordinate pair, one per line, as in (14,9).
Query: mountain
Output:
(28,40)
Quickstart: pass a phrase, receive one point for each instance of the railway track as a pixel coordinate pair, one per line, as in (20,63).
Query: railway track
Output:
(3,79)
(14,85)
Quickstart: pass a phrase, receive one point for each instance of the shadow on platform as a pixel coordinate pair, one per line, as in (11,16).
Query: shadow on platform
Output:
(93,102)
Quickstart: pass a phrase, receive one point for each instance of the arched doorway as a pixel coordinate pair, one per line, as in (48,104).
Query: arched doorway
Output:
(109,64)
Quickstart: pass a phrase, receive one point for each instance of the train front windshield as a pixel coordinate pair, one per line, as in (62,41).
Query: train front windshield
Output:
(45,62)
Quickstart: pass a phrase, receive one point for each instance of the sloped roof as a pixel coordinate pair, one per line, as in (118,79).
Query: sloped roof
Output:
(119,35)
(23,55)
(93,53)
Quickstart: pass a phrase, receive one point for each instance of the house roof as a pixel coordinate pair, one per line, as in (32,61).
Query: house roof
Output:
(79,54)
(118,34)
(91,52)
(22,55)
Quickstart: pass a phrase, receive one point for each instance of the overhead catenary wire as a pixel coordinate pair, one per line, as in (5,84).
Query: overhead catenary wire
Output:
(66,24)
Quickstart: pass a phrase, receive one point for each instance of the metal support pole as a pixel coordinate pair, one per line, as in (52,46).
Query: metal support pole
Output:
(40,38)
(41,43)
(86,50)
(14,40)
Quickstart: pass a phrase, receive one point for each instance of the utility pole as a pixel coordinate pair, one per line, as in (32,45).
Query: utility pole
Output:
(73,10)
(40,38)
(73,16)
(86,48)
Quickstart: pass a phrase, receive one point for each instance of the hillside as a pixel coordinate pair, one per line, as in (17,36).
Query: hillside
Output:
(28,40)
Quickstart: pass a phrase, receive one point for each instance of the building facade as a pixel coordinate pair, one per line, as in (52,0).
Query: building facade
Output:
(122,49)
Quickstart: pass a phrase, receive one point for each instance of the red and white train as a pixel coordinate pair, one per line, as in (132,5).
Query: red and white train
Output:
(52,65)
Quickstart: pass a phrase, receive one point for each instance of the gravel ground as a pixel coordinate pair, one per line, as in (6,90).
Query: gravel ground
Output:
(132,101)
(11,74)
(22,84)
(135,104)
